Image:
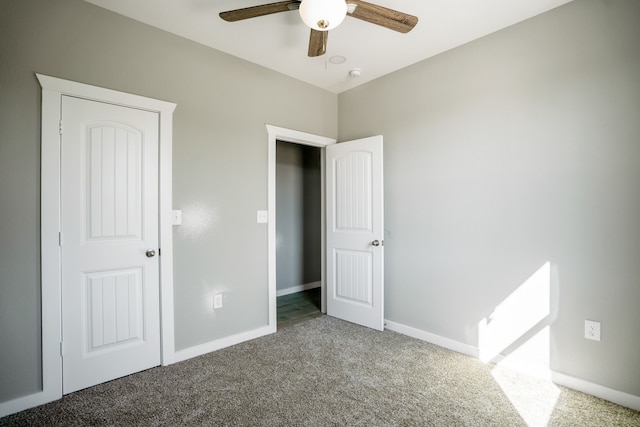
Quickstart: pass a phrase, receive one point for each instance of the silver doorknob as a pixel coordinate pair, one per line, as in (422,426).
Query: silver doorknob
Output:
(376,243)
(151,253)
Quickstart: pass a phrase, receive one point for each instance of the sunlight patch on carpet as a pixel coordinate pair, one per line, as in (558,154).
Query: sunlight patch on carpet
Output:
(533,398)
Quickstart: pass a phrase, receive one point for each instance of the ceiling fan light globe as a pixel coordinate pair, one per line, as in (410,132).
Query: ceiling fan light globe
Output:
(323,15)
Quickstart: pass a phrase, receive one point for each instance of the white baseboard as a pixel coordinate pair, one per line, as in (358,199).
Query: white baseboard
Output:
(299,288)
(467,349)
(25,402)
(208,347)
(606,393)
(619,397)
(40,398)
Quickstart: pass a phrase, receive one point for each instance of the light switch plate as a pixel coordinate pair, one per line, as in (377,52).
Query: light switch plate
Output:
(177,217)
(263,217)
(217,301)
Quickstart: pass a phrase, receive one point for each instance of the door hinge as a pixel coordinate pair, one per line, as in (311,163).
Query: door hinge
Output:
(60,127)
(159,252)
(61,352)
(59,239)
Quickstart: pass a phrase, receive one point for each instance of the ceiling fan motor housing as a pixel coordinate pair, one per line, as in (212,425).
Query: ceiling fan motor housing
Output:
(323,15)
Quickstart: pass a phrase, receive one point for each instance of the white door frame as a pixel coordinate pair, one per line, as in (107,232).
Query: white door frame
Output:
(288,135)
(52,91)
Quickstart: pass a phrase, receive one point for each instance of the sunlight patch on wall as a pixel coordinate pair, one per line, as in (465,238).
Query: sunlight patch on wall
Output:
(510,322)
(533,357)
(517,336)
(198,219)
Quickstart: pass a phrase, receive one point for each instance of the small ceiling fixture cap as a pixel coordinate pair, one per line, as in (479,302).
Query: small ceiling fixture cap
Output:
(323,15)
(356,72)
(337,59)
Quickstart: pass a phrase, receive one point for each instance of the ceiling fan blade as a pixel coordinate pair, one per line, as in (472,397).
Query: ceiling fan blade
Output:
(388,18)
(318,42)
(262,10)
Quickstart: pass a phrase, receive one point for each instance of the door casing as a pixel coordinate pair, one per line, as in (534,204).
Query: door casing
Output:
(52,91)
(276,133)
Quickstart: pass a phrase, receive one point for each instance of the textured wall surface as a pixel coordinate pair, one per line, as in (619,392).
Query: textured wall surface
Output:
(518,154)
(513,156)
(219,159)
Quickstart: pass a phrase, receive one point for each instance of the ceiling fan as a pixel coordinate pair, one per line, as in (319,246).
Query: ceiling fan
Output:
(324,15)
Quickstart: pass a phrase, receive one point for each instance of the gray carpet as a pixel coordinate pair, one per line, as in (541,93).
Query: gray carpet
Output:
(326,372)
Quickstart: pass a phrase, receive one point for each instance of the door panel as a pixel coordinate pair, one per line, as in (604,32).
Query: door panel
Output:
(109,211)
(353,279)
(114,308)
(355,276)
(114,162)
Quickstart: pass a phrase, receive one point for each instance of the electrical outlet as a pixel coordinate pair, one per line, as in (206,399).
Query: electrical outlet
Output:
(217,301)
(263,217)
(592,330)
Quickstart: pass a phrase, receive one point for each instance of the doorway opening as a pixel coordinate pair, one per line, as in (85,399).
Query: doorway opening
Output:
(305,139)
(298,232)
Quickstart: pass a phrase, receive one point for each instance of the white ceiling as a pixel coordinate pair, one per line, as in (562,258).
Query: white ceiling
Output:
(279,41)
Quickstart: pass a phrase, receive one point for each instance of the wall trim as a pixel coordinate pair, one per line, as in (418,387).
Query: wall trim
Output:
(438,340)
(25,402)
(52,90)
(618,397)
(208,347)
(298,288)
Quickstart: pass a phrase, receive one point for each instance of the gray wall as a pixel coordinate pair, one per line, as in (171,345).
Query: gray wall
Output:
(518,149)
(515,150)
(219,158)
(298,210)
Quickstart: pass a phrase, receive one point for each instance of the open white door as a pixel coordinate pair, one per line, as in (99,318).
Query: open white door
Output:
(109,242)
(355,230)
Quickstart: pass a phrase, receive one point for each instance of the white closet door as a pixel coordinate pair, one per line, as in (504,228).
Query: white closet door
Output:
(109,242)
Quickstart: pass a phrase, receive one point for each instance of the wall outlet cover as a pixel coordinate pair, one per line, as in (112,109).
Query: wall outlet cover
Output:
(592,330)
